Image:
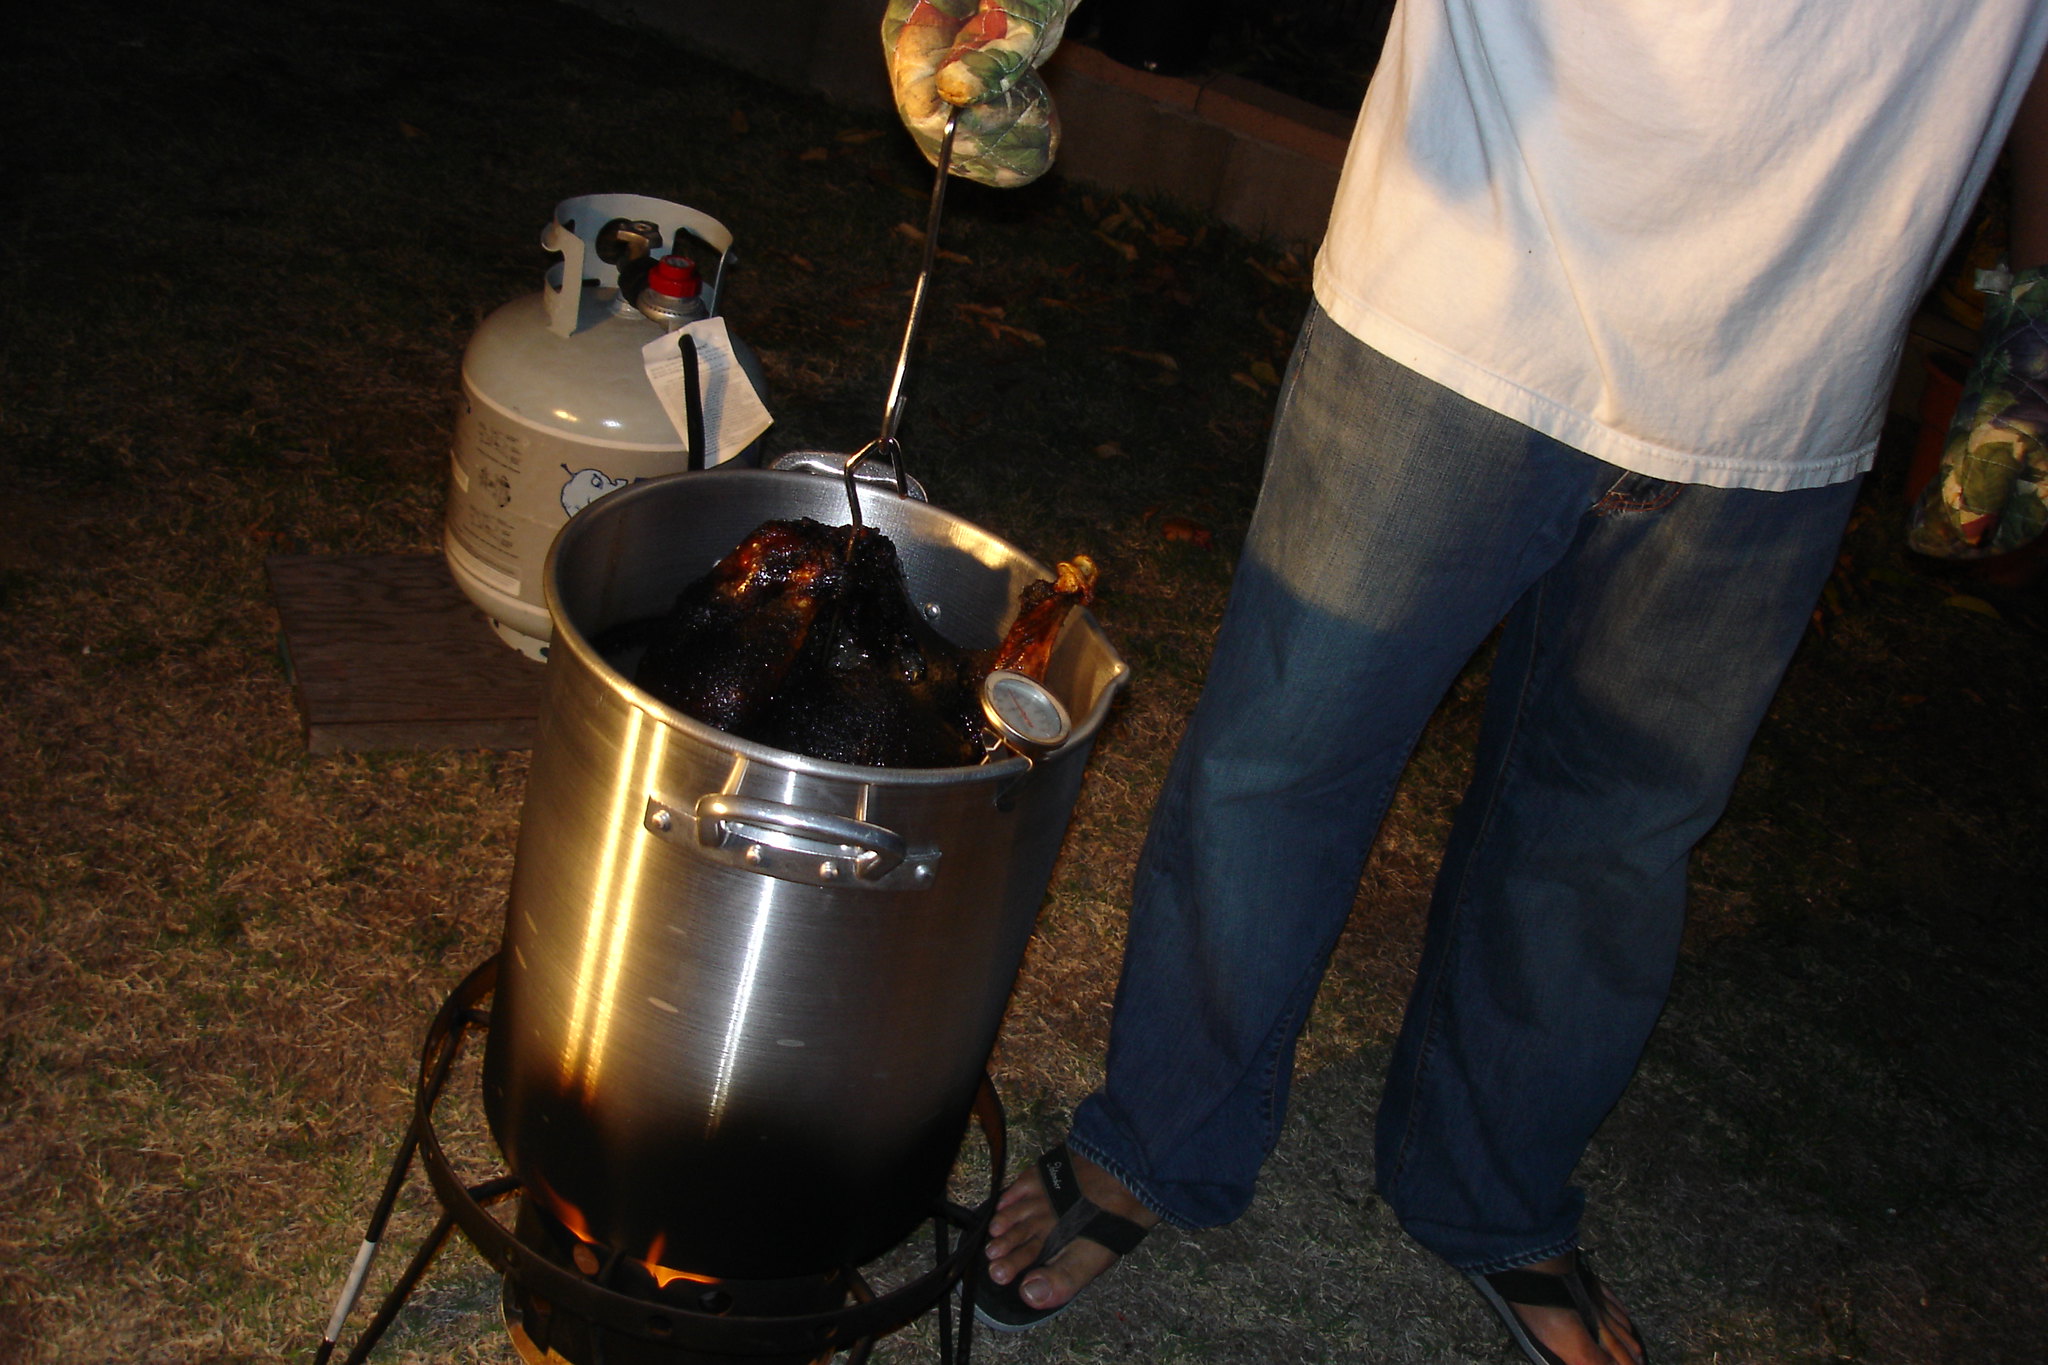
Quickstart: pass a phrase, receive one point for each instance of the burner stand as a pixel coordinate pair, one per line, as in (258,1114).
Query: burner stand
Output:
(553,1301)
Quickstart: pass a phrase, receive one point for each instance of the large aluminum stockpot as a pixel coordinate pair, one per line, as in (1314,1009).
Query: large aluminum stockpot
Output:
(746,996)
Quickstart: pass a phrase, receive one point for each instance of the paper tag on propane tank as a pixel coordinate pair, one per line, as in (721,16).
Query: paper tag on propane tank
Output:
(733,412)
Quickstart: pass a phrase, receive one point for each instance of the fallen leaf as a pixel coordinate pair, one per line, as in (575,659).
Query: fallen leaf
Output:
(856,136)
(802,263)
(408,132)
(1242,378)
(1124,249)
(1168,238)
(1159,358)
(1025,335)
(1109,450)
(739,121)
(1964,602)
(1067,304)
(1271,275)
(953,256)
(911,231)
(1182,529)
(812,154)
(1264,372)
(983,310)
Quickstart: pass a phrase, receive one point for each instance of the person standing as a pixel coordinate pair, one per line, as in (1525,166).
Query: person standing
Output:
(1605,320)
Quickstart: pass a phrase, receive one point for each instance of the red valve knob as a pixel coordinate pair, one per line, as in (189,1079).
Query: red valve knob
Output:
(674,277)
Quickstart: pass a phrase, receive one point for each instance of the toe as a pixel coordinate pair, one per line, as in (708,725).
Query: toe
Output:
(1066,1275)
(1005,1266)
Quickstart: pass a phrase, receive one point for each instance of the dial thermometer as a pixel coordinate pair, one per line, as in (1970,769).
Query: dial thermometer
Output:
(1027,716)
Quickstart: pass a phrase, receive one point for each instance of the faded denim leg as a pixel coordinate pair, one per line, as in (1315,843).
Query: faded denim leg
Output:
(1628,685)
(1397,526)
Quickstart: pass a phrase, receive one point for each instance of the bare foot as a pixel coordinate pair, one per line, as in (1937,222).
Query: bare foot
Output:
(1561,1331)
(1025,1214)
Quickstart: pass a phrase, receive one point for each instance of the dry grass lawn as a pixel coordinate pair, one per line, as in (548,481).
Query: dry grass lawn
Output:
(247,247)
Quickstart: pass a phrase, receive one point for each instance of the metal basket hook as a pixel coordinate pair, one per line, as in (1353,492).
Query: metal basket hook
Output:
(892,412)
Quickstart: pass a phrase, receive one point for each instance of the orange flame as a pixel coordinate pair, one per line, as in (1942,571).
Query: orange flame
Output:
(664,1276)
(571,1217)
(566,1213)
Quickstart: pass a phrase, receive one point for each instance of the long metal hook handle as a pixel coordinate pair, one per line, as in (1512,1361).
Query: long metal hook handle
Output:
(892,411)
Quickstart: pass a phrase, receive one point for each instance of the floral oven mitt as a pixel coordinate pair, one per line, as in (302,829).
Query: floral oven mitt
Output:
(982,56)
(1988,496)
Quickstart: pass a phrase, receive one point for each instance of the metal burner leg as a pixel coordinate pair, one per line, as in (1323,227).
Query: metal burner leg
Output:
(401,1166)
(965,1298)
(387,1312)
(490,1192)
(939,1240)
(433,1080)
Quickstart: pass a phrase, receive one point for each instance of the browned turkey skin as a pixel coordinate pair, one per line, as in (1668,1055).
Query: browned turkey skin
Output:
(805,638)
(1040,612)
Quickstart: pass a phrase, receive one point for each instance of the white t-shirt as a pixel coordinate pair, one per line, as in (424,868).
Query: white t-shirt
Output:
(1685,238)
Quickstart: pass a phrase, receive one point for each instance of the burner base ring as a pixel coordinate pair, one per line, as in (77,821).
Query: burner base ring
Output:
(626,1326)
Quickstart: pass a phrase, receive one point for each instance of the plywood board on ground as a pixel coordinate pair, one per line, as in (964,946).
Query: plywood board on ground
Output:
(386,653)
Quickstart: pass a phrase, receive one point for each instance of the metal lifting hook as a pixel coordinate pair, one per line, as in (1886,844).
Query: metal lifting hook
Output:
(892,413)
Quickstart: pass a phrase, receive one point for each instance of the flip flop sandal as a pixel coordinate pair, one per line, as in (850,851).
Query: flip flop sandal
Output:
(1001,1306)
(1577,1289)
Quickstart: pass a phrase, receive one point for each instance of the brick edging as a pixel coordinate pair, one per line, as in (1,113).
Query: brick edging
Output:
(1264,162)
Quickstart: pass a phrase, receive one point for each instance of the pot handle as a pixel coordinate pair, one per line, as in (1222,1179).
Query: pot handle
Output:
(791,842)
(880,849)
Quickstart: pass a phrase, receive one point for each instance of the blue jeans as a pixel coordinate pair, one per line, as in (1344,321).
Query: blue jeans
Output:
(1647,625)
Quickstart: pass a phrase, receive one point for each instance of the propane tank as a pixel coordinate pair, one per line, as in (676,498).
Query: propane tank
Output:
(556,408)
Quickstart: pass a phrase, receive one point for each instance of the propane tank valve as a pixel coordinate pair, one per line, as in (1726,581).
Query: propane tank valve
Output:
(629,245)
(627,239)
(673,294)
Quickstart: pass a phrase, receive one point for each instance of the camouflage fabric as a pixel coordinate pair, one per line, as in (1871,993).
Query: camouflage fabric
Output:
(1988,496)
(980,56)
